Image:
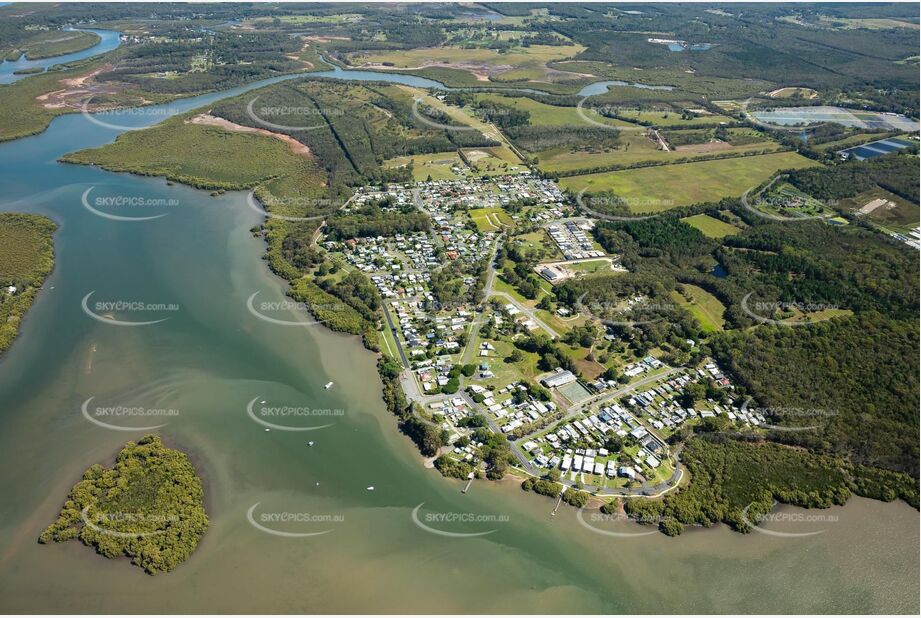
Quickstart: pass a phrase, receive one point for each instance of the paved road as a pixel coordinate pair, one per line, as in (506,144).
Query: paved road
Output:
(487,292)
(396,336)
(622,391)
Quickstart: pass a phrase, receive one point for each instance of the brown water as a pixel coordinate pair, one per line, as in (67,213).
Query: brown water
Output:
(211,357)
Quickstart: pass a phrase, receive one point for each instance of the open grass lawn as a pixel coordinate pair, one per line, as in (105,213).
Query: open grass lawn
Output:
(667,186)
(502,153)
(550,115)
(711,227)
(507,373)
(634,147)
(671,119)
(902,217)
(703,305)
(491,161)
(490,219)
(591,266)
(518,63)
(57,43)
(437,165)
(590,369)
(539,244)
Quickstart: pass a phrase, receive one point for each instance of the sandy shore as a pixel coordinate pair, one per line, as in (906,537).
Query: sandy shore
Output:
(214,121)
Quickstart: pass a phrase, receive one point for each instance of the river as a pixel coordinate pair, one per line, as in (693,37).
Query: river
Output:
(108,40)
(372,550)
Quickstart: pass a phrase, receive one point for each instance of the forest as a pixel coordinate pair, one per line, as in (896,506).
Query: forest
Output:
(149,506)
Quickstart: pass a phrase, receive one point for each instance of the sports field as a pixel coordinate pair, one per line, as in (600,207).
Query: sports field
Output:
(711,227)
(655,189)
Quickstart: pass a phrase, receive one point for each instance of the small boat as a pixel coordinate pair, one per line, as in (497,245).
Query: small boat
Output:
(328,385)
(310,443)
(371,488)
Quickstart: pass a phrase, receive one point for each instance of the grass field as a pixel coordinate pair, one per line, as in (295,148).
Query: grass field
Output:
(660,188)
(55,43)
(437,165)
(518,63)
(670,119)
(711,227)
(703,305)
(591,266)
(550,115)
(490,219)
(492,161)
(634,147)
(901,217)
(463,117)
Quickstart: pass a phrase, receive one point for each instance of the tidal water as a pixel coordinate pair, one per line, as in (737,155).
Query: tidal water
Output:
(207,358)
(109,40)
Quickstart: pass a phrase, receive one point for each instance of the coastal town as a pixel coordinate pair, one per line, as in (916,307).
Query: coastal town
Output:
(458,330)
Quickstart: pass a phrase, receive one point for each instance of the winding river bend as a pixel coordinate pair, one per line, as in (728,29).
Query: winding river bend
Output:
(347,548)
(108,40)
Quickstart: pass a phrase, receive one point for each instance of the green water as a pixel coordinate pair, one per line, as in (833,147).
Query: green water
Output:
(211,357)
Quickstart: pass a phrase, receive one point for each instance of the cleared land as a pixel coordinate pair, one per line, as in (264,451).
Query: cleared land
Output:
(542,114)
(519,63)
(667,186)
(711,227)
(55,43)
(670,119)
(703,305)
(437,165)
(490,219)
(636,147)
